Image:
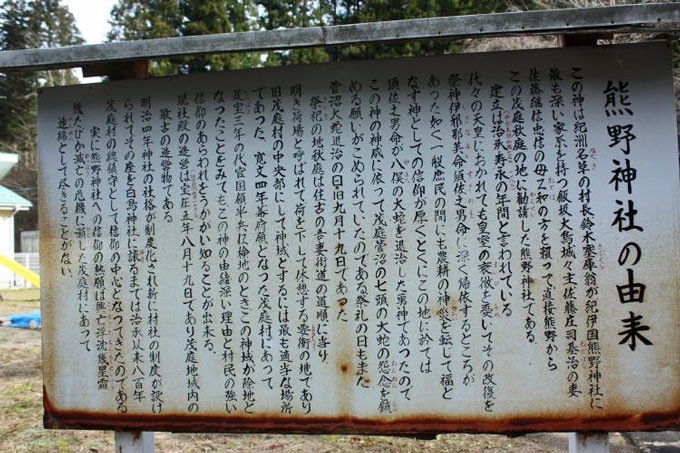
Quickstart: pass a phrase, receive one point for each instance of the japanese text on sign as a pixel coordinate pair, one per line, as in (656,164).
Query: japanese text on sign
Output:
(459,242)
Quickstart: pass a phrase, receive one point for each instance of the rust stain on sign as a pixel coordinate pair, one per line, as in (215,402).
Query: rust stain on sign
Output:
(466,243)
(416,426)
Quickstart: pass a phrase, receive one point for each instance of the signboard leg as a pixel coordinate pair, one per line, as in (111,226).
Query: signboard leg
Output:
(588,442)
(134,442)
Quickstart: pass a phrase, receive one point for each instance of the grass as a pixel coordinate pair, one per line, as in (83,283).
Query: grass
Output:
(21,416)
(22,295)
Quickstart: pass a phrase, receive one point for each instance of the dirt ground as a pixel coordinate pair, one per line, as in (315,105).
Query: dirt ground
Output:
(21,416)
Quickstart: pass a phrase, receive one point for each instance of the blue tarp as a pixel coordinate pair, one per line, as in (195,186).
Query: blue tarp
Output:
(24,320)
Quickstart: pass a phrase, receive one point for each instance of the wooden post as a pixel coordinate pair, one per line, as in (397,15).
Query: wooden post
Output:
(134,442)
(588,442)
(125,441)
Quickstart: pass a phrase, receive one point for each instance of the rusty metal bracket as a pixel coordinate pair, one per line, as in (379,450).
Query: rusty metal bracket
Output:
(585,39)
(138,69)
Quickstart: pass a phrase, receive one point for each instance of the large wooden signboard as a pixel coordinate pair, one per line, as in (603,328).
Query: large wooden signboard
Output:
(475,242)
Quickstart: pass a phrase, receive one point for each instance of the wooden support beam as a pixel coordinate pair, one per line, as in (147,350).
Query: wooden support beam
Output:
(643,18)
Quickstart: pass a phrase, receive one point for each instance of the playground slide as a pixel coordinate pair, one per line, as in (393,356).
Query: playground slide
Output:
(20,270)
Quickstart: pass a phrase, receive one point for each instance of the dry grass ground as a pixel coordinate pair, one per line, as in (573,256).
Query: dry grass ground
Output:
(21,416)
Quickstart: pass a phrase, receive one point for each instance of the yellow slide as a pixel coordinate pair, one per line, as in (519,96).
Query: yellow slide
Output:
(20,270)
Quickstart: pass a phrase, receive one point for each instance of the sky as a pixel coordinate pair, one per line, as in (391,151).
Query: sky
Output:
(92,18)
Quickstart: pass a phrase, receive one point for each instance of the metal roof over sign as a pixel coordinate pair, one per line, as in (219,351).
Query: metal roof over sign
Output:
(458,243)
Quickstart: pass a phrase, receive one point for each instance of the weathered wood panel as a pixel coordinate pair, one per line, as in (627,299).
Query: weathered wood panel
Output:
(622,19)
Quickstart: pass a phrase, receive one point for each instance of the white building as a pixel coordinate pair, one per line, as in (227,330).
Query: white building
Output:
(10,204)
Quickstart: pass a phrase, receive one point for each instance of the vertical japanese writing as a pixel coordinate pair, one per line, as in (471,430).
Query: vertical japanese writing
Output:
(205,226)
(358,232)
(484,238)
(320,329)
(484,266)
(304,330)
(262,214)
(580,143)
(521,178)
(400,253)
(502,145)
(285,334)
(542,200)
(188,207)
(99,286)
(81,220)
(417,161)
(243,268)
(383,328)
(589,251)
(136,317)
(624,175)
(65,233)
(440,219)
(225,289)
(567,278)
(166,177)
(150,257)
(538,198)
(338,211)
(119,363)
(462,202)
